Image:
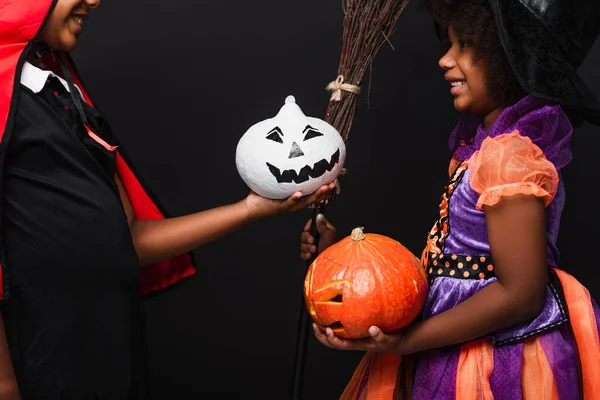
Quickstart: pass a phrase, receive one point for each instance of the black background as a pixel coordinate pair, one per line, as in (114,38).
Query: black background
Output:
(181,81)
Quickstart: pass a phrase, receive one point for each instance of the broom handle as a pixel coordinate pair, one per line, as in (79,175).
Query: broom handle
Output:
(304,324)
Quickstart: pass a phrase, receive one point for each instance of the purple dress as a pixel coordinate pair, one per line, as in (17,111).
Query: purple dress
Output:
(511,363)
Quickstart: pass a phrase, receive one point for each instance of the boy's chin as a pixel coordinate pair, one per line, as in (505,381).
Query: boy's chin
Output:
(68,46)
(67,43)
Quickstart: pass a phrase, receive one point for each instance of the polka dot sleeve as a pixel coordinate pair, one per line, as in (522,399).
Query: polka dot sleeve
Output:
(511,164)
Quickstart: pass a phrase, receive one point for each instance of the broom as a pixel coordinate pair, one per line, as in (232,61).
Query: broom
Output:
(367,26)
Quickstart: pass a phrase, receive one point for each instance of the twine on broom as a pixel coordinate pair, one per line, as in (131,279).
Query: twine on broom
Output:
(338,85)
(368,25)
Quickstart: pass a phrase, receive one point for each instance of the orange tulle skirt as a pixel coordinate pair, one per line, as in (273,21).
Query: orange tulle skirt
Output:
(547,372)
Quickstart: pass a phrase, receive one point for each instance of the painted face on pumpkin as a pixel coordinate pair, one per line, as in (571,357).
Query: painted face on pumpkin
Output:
(289,153)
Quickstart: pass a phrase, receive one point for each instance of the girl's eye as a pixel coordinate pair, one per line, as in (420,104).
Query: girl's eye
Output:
(464,44)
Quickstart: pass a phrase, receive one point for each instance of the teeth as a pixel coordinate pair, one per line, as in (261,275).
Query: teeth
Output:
(457,84)
(79,20)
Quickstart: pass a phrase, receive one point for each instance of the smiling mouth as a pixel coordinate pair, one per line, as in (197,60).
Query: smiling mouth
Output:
(78,20)
(307,172)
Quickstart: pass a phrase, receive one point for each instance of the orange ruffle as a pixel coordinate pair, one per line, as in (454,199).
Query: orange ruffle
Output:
(511,164)
(476,361)
(537,377)
(583,322)
(382,372)
(475,366)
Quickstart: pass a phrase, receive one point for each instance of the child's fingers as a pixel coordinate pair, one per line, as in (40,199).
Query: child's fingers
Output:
(320,335)
(307,225)
(298,200)
(308,248)
(319,195)
(327,189)
(295,198)
(306,237)
(338,343)
(305,256)
(329,226)
(313,199)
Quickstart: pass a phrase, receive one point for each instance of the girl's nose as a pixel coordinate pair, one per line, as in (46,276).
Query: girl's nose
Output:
(447,62)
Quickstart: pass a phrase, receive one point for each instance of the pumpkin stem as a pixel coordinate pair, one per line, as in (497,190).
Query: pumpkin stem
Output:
(357,234)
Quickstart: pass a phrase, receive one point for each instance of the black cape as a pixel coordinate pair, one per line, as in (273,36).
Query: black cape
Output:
(71,282)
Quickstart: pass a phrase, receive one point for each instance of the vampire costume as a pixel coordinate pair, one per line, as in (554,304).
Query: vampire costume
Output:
(71,283)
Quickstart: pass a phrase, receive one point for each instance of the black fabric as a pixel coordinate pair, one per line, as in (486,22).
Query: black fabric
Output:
(73,319)
(460,266)
(62,102)
(546,41)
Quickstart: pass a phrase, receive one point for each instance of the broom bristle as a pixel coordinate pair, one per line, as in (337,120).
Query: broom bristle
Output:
(367,26)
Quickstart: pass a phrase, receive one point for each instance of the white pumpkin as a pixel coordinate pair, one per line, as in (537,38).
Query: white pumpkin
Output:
(290,153)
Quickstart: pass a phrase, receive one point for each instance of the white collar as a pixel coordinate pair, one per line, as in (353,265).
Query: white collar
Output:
(35,79)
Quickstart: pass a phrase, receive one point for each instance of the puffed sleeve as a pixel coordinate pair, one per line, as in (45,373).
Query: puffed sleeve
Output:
(510,164)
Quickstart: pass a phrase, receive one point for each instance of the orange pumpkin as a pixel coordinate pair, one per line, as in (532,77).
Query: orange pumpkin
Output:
(365,280)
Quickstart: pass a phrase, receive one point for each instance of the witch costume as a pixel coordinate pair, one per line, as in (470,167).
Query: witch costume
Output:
(556,355)
(71,283)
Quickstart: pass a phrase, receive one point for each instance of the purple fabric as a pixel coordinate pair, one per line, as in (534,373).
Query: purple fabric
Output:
(551,316)
(505,381)
(435,377)
(543,122)
(549,128)
(553,215)
(596,314)
(468,229)
(436,374)
(446,293)
(561,353)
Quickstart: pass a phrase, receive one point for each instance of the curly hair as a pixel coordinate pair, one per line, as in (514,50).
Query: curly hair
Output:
(474,23)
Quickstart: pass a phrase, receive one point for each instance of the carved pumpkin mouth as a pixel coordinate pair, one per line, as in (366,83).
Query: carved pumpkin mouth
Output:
(336,327)
(332,296)
(317,170)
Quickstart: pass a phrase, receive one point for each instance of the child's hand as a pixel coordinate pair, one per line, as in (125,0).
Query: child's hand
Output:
(307,242)
(379,342)
(260,207)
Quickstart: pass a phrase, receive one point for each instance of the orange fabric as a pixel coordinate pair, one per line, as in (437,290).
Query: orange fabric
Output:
(511,164)
(475,367)
(383,375)
(583,322)
(383,372)
(454,163)
(537,377)
(100,140)
(440,228)
(353,386)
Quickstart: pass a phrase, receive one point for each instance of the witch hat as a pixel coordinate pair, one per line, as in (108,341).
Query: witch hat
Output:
(546,41)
